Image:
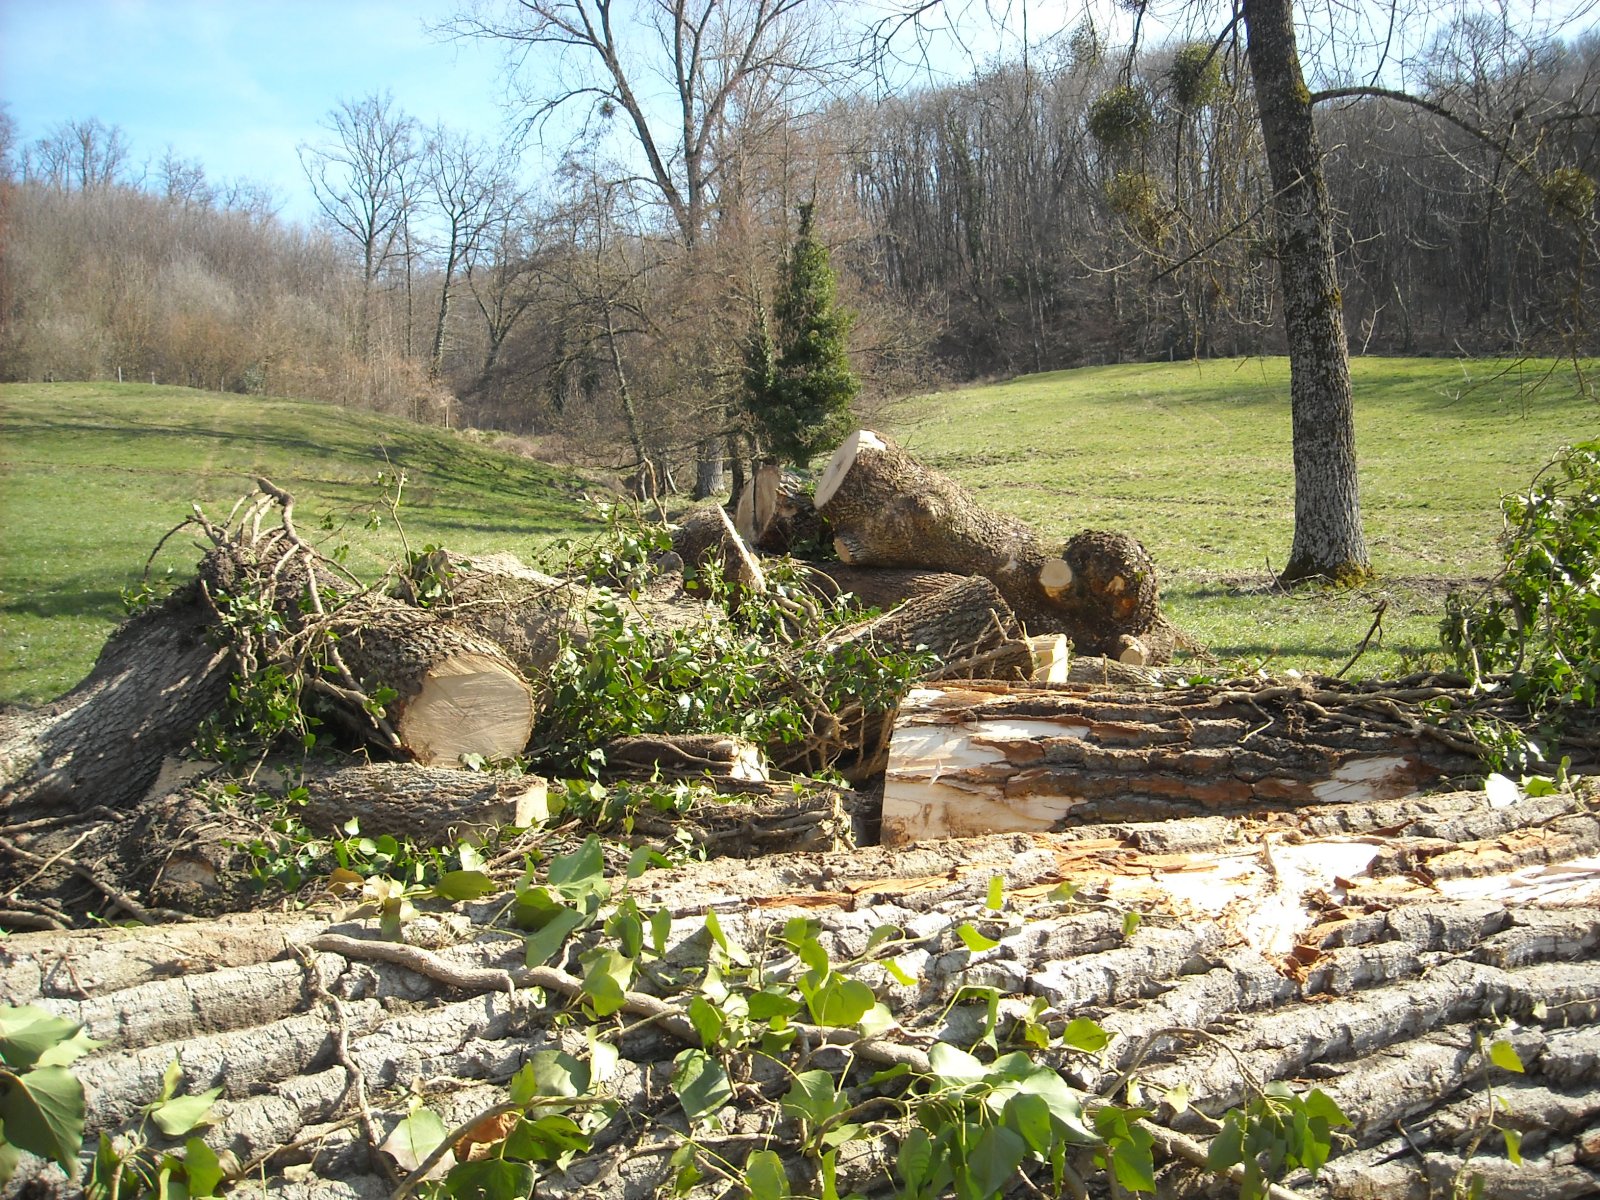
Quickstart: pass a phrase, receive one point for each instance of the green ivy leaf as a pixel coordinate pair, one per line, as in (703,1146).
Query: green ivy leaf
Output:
(701,1084)
(42,1112)
(765,1177)
(954,1066)
(973,940)
(606,978)
(1084,1034)
(997,893)
(464,885)
(552,1138)
(1513,1145)
(1504,1055)
(28,1033)
(814,1098)
(550,1073)
(490,1179)
(735,952)
(898,973)
(840,1002)
(415,1137)
(707,1021)
(202,1168)
(914,1162)
(183,1114)
(1227,1148)
(1029,1115)
(544,944)
(772,1006)
(994,1159)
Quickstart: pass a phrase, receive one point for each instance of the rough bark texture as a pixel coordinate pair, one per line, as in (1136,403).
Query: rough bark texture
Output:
(876,587)
(712,757)
(103,743)
(977,758)
(1385,997)
(431,805)
(458,692)
(888,510)
(1328,540)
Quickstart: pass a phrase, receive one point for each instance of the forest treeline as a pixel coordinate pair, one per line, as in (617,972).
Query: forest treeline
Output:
(1079,206)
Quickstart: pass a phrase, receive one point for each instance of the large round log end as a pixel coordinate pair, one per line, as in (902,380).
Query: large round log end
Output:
(843,459)
(467,704)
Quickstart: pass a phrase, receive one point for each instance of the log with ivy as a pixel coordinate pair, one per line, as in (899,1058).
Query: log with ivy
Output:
(1281,1009)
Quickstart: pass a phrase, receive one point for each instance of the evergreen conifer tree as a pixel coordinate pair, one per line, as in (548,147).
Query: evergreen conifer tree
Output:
(798,382)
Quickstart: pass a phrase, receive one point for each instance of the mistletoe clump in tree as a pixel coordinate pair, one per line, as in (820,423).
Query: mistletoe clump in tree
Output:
(798,382)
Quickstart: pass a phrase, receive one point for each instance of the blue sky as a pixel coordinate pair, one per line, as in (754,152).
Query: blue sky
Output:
(237,84)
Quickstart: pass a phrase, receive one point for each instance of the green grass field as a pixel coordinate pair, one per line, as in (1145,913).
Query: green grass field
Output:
(92,475)
(1192,458)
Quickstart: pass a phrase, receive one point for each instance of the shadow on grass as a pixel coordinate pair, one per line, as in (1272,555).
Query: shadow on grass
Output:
(72,600)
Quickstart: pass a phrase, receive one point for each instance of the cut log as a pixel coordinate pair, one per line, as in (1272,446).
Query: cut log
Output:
(457,693)
(876,587)
(706,539)
(433,806)
(709,757)
(744,825)
(887,509)
(331,1044)
(157,678)
(982,758)
(970,630)
(523,611)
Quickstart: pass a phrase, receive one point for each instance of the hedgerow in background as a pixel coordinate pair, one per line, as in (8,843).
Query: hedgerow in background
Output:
(798,382)
(1540,621)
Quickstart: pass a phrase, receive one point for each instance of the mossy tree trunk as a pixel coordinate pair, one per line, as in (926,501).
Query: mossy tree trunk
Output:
(1328,541)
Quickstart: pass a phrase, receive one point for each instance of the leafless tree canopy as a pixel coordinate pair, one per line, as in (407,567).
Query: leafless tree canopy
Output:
(980,224)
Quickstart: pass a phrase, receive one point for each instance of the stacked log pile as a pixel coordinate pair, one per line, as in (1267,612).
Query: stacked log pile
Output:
(1374,950)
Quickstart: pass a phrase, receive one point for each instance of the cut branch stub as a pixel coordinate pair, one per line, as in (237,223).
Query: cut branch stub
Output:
(888,510)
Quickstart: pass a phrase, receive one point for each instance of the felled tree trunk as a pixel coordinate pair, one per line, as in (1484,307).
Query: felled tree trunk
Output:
(980,758)
(321,1034)
(457,693)
(972,633)
(430,805)
(876,587)
(157,678)
(719,759)
(521,610)
(888,510)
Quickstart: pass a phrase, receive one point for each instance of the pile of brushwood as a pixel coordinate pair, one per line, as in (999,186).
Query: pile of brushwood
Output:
(481,881)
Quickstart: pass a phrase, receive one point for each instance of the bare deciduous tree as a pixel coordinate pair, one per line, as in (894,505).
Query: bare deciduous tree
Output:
(364,183)
(709,53)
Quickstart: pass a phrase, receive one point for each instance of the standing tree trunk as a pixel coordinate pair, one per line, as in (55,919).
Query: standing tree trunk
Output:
(1328,542)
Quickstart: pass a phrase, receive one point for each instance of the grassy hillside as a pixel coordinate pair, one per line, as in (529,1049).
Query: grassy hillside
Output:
(92,475)
(1194,460)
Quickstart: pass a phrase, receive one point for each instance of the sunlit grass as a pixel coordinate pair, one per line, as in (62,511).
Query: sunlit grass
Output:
(92,476)
(1194,459)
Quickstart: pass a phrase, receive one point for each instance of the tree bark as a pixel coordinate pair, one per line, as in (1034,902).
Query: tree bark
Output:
(1382,1004)
(157,678)
(977,758)
(430,805)
(1328,539)
(877,587)
(888,510)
